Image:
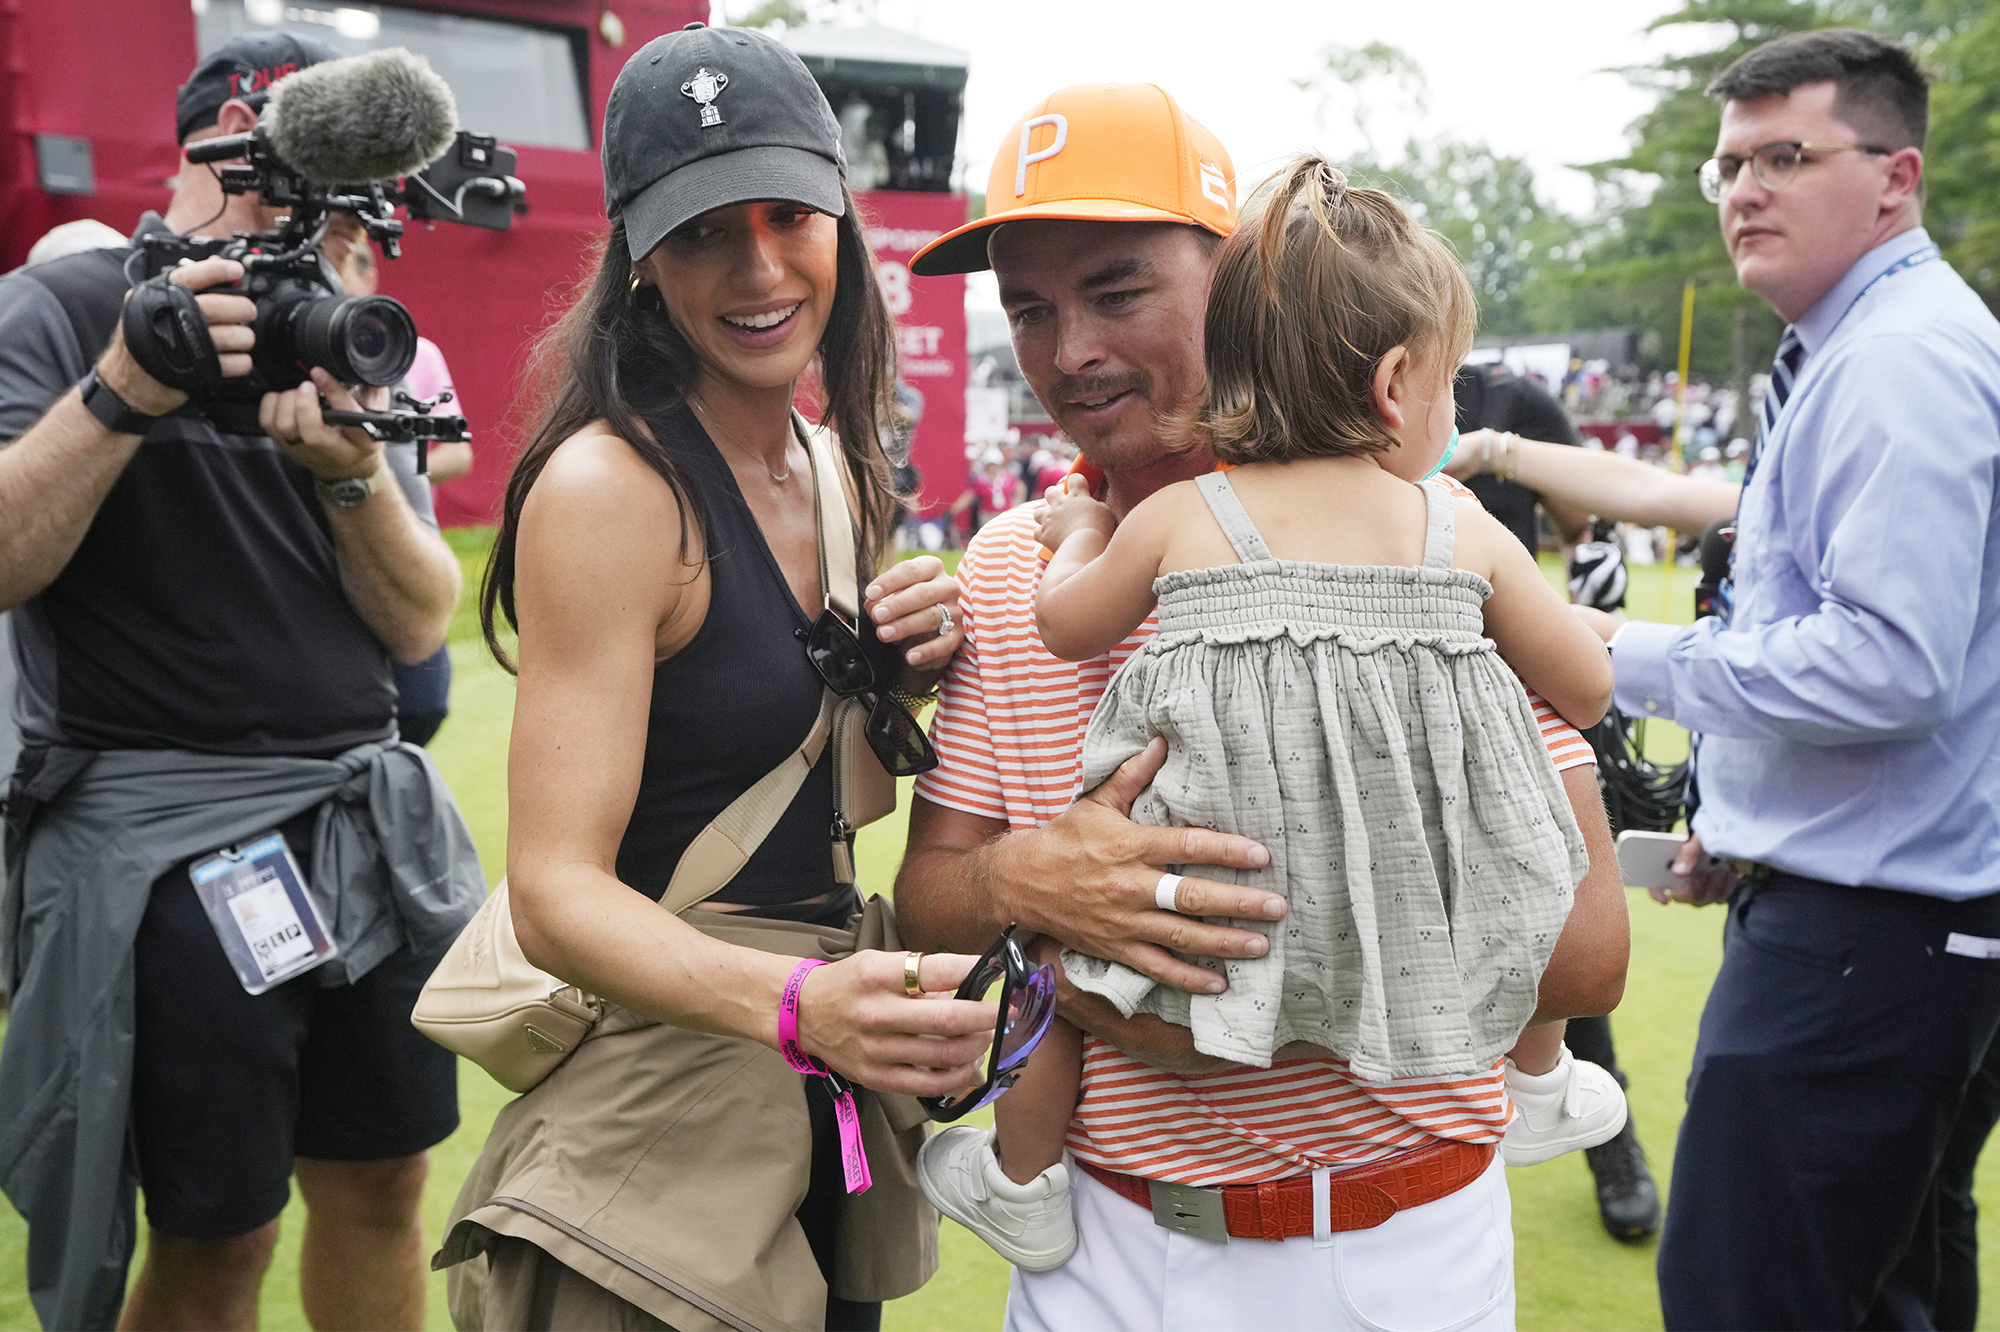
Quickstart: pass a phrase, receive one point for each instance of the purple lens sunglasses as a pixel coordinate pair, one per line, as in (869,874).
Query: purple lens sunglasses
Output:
(1027,1006)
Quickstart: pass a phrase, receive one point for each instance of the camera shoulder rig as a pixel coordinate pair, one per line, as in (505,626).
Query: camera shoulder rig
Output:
(416,425)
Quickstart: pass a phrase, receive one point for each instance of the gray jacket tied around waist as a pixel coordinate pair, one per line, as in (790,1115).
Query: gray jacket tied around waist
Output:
(391,862)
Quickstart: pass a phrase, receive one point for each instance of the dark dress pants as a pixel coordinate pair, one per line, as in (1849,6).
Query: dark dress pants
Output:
(1834,1056)
(1955,1216)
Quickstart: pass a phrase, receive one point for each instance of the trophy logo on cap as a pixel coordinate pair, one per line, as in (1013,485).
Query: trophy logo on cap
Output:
(704,88)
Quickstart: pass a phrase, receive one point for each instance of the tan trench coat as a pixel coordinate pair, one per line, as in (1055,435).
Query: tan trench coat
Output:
(665,1165)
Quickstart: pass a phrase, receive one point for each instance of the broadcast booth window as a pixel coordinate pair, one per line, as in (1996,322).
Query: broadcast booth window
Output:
(516,82)
(899,98)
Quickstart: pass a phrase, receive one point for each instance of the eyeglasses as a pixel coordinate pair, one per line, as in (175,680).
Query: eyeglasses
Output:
(890,730)
(1775,165)
(1027,1006)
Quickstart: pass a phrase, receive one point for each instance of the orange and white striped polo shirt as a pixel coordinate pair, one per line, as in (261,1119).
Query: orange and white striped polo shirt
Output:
(1009,736)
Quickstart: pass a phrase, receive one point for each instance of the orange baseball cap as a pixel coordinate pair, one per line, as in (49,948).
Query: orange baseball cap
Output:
(1097,152)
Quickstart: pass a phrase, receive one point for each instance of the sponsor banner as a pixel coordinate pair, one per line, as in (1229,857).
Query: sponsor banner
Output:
(930,330)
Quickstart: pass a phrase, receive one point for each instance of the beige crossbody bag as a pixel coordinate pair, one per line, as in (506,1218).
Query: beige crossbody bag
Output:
(486,1001)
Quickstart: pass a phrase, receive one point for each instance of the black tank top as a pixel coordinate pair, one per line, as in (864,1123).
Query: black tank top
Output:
(731,705)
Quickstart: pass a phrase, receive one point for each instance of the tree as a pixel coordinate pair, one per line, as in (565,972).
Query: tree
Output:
(1350,73)
(799,13)
(1485,205)
(1962,160)
(1653,232)
(771,12)
(1481,202)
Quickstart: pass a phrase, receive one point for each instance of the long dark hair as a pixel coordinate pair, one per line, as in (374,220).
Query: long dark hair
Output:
(615,356)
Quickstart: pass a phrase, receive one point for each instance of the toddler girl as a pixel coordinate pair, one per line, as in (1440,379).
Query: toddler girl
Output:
(1332,676)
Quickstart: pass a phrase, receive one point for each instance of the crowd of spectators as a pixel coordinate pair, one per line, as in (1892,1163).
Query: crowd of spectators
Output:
(1644,417)
(998,476)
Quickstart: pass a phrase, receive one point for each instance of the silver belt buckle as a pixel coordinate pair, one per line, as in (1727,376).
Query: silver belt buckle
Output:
(1189,1209)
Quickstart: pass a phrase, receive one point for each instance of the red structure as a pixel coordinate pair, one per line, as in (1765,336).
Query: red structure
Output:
(1609,432)
(930,331)
(87,98)
(98,77)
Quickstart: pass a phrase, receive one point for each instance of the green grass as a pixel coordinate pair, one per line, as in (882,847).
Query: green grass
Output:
(1570,1274)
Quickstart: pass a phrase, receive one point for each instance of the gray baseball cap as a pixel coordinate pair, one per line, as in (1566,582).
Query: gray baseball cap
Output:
(708,117)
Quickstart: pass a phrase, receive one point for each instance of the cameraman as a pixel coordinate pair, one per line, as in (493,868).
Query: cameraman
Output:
(1491,397)
(204,629)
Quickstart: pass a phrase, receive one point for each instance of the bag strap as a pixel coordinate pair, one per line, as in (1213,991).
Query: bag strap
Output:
(839,580)
(721,849)
(726,845)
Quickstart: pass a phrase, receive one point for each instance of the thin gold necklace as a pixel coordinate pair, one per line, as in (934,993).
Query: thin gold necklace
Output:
(779,477)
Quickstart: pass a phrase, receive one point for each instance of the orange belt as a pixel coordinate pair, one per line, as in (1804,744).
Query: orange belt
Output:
(1278,1209)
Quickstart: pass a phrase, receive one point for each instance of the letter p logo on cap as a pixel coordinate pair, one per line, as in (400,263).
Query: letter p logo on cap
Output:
(1110,152)
(1028,128)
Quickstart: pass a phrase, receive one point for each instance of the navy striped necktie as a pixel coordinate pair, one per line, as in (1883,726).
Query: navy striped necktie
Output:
(1784,372)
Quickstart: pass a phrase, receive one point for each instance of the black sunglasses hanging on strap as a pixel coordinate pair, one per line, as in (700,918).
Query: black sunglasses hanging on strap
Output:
(835,650)
(862,791)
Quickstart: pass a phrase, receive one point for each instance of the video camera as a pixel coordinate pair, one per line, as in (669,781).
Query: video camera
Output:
(337,137)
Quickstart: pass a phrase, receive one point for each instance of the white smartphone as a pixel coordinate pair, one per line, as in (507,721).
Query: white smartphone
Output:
(1645,859)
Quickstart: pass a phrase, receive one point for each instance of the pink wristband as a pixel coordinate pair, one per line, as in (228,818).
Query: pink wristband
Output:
(854,1160)
(788,1022)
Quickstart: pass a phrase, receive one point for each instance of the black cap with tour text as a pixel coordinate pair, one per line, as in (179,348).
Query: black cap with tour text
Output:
(707,117)
(242,68)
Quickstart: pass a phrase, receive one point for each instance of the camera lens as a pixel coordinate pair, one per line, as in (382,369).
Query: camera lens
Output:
(358,339)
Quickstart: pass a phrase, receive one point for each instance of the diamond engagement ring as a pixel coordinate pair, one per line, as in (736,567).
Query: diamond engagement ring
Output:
(945,623)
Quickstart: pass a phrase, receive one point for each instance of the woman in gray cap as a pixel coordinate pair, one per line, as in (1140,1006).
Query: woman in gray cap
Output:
(679,629)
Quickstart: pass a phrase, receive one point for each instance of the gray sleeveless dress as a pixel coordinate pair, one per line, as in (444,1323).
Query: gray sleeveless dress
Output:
(1356,721)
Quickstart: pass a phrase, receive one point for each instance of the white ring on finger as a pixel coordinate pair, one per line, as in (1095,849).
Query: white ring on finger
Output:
(1166,893)
(945,623)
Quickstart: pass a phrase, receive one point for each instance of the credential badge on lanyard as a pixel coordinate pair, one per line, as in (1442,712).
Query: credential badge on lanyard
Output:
(256,901)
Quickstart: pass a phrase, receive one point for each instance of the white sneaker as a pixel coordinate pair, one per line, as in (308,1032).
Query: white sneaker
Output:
(1030,1225)
(1577,1104)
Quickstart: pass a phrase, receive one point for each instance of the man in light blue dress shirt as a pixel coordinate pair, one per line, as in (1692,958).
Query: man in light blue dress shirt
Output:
(1850,714)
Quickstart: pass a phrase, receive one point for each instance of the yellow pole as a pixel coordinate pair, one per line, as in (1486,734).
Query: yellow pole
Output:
(1675,461)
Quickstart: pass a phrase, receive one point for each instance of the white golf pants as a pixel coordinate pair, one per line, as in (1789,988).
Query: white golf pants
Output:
(1447,1266)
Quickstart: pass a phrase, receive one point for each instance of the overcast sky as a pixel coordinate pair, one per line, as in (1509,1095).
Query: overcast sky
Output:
(1529,77)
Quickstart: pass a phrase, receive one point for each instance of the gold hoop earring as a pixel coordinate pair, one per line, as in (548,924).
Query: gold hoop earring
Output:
(637,278)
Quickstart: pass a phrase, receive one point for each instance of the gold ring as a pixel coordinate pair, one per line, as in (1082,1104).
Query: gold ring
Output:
(911,985)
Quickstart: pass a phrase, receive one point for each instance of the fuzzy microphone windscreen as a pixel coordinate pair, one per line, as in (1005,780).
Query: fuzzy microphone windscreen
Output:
(364,118)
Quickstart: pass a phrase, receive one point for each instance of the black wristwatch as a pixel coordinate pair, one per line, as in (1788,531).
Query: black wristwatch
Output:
(105,404)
